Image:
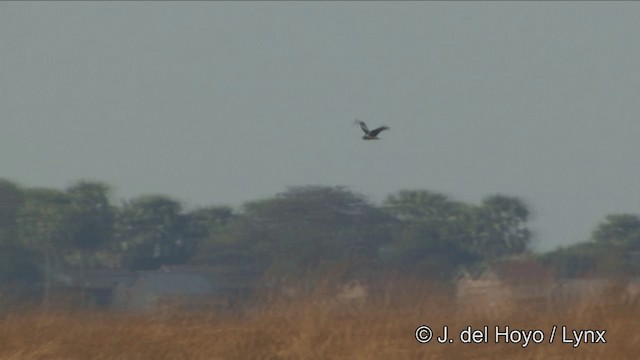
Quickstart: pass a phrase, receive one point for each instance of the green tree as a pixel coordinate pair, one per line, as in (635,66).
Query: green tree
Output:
(435,234)
(92,217)
(203,223)
(11,198)
(500,227)
(149,230)
(43,224)
(573,261)
(421,204)
(311,227)
(209,232)
(432,236)
(19,273)
(613,250)
(619,235)
(619,230)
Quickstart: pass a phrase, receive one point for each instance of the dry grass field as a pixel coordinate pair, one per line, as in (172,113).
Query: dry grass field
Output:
(318,326)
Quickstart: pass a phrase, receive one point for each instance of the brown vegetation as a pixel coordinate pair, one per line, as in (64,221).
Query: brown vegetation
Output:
(319,326)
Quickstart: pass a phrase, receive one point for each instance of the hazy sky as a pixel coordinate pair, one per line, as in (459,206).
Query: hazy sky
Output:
(220,103)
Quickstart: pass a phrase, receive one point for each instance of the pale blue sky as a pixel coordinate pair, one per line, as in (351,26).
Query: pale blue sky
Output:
(220,103)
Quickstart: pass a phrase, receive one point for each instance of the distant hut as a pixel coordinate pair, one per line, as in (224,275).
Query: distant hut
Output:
(494,290)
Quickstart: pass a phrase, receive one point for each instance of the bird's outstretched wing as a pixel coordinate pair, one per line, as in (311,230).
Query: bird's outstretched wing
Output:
(377,131)
(363,126)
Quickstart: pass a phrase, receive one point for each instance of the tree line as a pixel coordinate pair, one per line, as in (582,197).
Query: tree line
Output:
(302,230)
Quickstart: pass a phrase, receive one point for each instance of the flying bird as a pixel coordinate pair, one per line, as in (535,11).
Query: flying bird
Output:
(370,134)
